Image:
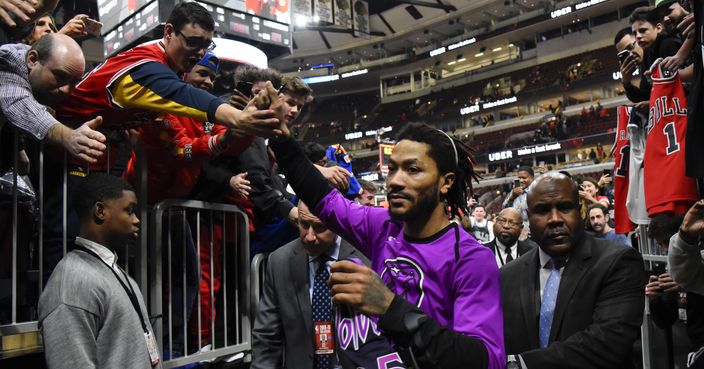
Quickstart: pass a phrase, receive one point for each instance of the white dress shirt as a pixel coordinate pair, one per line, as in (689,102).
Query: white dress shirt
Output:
(333,254)
(501,254)
(105,254)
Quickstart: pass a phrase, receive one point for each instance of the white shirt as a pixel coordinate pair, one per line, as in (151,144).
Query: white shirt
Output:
(478,226)
(501,253)
(332,254)
(105,254)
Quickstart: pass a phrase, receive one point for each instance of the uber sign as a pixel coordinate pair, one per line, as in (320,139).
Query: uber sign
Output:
(501,155)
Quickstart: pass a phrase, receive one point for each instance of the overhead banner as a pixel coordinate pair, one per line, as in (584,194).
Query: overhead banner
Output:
(360,12)
(343,14)
(323,10)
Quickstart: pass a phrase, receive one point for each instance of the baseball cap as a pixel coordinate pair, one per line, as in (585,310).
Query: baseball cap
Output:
(659,10)
(662,3)
(210,61)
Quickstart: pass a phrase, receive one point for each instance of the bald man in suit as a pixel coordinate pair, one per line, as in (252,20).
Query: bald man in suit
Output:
(575,301)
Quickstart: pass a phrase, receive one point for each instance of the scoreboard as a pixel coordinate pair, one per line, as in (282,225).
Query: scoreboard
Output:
(122,26)
(113,12)
(138,25)
(248,26)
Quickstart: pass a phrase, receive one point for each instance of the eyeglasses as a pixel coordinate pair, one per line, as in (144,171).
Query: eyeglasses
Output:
(505,222)
(197,43)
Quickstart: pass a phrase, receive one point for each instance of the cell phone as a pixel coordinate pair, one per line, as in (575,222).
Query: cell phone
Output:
(244,87)
(475,197)
(93,27)
(516,183)
(622,55)
(607,172)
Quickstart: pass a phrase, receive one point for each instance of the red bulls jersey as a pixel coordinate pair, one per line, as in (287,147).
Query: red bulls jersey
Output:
(621,151)
(93,97)
(667,188)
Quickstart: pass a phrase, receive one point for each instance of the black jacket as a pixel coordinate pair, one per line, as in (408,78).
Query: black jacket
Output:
(664,46)
(598,313)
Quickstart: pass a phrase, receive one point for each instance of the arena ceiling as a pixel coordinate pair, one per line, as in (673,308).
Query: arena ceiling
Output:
(399,26)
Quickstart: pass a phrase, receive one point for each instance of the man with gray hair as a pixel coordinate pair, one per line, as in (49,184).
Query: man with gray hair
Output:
(44,74)
(593,328)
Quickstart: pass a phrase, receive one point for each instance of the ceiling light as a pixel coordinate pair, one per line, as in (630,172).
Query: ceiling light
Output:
(301,20)
(460,60)
(497,49)
(478,55)
(451,63)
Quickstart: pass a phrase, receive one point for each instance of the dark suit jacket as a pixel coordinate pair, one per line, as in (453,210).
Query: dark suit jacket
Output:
(523,246)
(598,312)
(283,329)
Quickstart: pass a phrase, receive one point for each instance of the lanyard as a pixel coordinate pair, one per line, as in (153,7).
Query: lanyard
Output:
(129,291)
(498,253)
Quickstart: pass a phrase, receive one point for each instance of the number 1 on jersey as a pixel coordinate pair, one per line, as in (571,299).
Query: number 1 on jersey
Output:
(622,168)
(671,132)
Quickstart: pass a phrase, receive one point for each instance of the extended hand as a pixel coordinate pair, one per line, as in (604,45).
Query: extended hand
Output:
(337,176)
(239,100)
(75,27)
(672,63)
(258,122)
(22,9)
(605,179)
(240,184)
(693,223)
(85,142)
(687,26)
(360,287)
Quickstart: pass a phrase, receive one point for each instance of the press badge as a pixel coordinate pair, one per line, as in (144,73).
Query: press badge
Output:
(151,347)
(323,338)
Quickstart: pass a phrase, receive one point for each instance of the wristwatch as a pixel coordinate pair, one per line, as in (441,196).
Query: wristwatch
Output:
(513,362)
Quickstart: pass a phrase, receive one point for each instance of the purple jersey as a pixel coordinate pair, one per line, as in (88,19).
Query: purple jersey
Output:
(462,294)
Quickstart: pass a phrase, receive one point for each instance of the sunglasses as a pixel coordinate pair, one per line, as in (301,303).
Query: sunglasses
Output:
(197,43)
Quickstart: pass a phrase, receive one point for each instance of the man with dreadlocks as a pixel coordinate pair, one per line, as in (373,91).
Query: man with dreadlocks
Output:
(432,289)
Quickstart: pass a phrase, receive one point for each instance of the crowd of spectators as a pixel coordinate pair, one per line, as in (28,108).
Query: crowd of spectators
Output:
(347,110)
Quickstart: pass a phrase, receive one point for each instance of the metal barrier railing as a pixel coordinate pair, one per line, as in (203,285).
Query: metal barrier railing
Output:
(33,244)
(258,276)
(27,245)
(216,229)
(651,255)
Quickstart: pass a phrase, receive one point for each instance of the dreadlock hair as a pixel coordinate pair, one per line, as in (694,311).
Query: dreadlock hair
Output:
(457,159)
